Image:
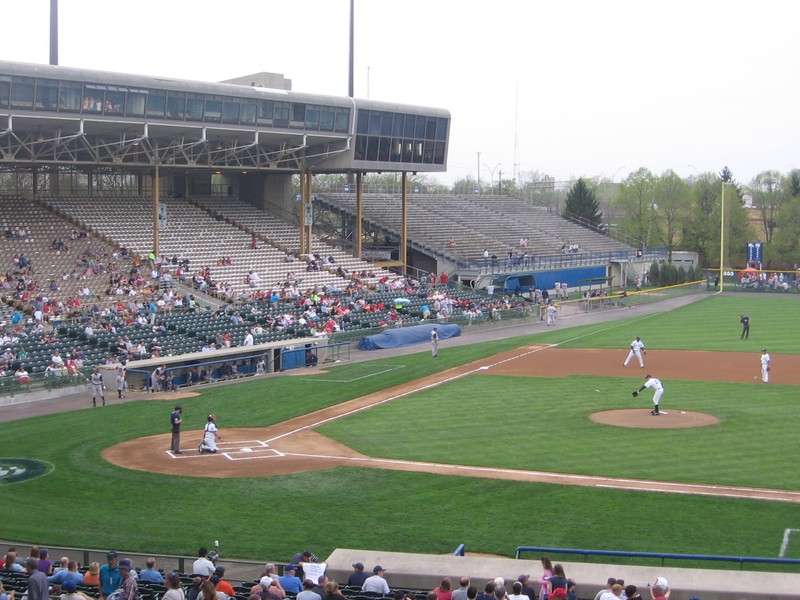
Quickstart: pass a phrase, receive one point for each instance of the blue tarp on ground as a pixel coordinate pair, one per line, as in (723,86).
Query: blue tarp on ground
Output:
(407,336)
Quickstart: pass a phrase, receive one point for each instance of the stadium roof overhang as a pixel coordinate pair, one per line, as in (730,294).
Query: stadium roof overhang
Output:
(62,141)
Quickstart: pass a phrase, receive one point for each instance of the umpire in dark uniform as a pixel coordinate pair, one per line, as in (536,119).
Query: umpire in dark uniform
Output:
(745,321)
(175,420)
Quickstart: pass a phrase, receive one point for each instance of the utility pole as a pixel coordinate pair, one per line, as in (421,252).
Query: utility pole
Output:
(479,174)
(500,183)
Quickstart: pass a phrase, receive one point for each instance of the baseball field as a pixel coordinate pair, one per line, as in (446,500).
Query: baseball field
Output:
(495,445)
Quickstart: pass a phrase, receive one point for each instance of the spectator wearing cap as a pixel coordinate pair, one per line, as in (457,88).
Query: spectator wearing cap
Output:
(110,576)
(202,566)
(268,588)
(129,585)
(222,585)
(376,583)
(69,592)
(37,581)
(151,574)
(357,577)
(461,592)
(300,558)
(308,592)
(290,582)
(660,589)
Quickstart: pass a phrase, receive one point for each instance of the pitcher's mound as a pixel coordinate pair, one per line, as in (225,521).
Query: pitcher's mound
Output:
(640,418)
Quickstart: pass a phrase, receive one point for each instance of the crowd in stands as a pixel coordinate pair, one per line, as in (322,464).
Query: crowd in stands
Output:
(304,578)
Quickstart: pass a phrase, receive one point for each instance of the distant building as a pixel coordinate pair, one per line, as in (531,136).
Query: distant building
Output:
(275,81)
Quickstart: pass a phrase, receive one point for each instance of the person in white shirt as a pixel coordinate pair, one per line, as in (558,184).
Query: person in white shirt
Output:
(376,583)
(202,566)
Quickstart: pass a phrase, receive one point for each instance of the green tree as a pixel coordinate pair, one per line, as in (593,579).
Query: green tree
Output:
(701,229)
(634,203)
(582,206)
(768,191)
(671,204)
(784,249)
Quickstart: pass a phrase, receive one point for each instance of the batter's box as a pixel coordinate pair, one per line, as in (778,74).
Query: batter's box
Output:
(250,453)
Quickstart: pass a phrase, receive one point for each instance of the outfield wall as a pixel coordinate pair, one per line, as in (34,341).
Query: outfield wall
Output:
(424,571)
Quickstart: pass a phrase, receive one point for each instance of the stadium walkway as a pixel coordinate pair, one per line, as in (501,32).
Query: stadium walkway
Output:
(42,403)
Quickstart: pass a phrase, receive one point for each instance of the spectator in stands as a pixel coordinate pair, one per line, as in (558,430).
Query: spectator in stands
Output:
(268,589)
(614,593)
(128,584)
(308,592)
(92,577)
(488,591)
(5,595)
(208,591)
(609,584)
(547,565)
(357,577)
(660,589)
(376,582)
(151,574)
(70,574)
(222,585)
(632,593)
(11,564)
(174,589)
(516,592)
(461,592)
(444,591)
(194,590)
(110,576)
(289,581)
(557,580)
(332,591)
(202,566)
(37,581)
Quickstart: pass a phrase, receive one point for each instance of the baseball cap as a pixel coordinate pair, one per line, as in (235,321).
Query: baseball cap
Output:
(111,554)
(290,568)
(266,581)
(377,568)
(523,578)
(662,581)
(646,377)
(69,586)
(125,564)
(358,565)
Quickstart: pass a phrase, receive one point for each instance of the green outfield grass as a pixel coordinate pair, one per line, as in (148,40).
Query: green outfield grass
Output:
(483,419)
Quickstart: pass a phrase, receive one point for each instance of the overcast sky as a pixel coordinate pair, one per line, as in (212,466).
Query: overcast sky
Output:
(564,88)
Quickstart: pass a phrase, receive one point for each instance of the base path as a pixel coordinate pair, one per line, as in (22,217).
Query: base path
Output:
(293,446)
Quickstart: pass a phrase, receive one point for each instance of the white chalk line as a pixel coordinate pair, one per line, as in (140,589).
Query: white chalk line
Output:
(785,544)
(393,368)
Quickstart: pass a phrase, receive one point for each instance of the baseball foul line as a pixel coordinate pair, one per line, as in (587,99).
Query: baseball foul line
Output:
(600,481)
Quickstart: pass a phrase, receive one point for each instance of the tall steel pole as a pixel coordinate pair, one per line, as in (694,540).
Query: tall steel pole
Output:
(53,32)
(722,239)
(351,82)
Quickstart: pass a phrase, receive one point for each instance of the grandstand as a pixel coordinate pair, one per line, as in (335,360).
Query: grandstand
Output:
(457,229)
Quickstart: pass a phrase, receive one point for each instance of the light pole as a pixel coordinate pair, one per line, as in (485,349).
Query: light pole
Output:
(722,237)
(480,192)
(492,171)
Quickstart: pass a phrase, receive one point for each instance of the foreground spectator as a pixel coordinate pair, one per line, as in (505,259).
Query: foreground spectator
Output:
(461,592)
(151,574)
(110,576)
(174,589)
(92,577)
(376,583)
(357,577)
(129,585)
(37,581)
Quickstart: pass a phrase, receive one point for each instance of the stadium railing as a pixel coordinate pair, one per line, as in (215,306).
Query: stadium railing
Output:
(664,559)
